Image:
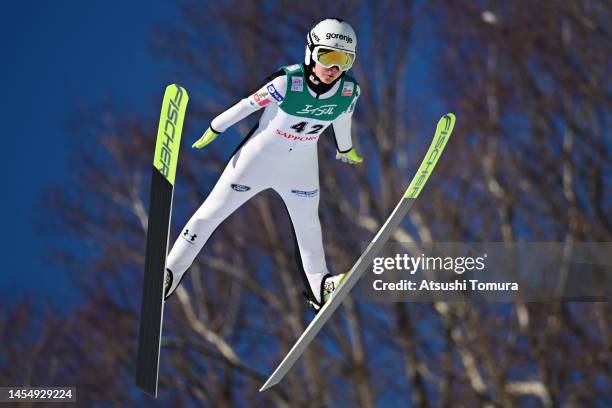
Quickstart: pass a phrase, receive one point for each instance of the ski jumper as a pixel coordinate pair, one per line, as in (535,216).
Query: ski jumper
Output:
(281,154)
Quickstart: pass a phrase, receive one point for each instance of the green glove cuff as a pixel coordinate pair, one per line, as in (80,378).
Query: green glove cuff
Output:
(352,154)
(206,139)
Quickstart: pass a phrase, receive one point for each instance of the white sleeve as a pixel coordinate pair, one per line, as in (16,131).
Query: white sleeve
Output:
(272,92)
(342,126)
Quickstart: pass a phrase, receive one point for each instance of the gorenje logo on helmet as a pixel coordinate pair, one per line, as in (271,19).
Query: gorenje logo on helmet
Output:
(344,37)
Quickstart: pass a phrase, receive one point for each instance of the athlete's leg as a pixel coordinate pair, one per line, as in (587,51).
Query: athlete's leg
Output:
(303,206)
(235,186)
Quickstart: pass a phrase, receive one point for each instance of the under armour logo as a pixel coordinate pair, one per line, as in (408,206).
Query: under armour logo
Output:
(191,237)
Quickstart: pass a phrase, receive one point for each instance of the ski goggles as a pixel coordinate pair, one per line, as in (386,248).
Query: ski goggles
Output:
(329,57)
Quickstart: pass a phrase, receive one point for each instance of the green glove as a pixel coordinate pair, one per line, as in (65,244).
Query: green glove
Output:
(350,157)
(206,138)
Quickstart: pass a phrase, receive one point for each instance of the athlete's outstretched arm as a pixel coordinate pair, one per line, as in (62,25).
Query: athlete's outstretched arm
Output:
(272,90)
(342,133)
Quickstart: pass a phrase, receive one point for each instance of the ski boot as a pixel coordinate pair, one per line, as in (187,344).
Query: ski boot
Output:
(168,287)
(329,284)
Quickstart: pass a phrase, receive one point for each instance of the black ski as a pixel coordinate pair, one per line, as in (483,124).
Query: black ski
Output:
(160,210)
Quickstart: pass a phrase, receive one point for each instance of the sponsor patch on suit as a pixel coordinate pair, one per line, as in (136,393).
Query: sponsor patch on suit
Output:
(240,187)
(303,193)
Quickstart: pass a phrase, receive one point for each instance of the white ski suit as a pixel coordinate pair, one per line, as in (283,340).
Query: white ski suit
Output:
(281,154)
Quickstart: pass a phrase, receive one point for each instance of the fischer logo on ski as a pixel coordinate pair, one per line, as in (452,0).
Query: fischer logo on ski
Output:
(169,131)
(445,127)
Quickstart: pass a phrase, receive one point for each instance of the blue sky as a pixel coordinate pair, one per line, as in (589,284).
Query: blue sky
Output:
(57,55)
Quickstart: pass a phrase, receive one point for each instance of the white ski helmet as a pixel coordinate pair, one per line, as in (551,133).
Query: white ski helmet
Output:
(330,42)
